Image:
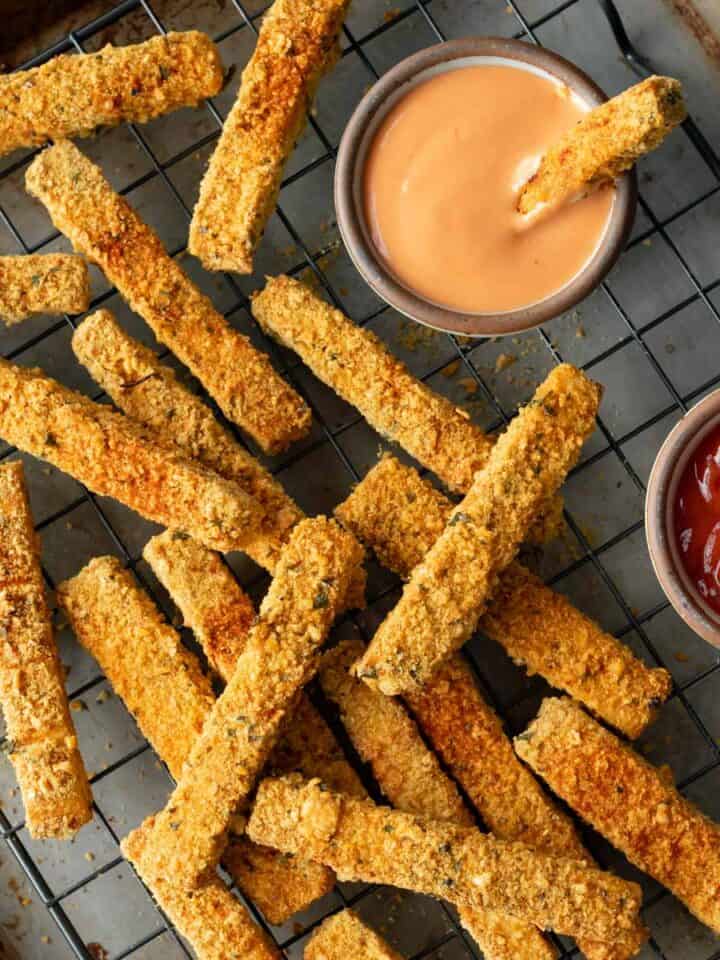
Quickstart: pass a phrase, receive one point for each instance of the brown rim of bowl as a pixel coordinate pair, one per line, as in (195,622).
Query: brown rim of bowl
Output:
(671,460)
(351,219)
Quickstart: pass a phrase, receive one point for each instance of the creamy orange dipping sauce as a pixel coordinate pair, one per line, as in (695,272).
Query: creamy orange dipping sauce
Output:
(442,177)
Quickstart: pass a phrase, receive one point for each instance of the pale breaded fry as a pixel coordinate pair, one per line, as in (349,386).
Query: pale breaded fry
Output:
(361,841)
(279,658)
(158,680)
(629,801)
(399,516)
(606,142)
(49,283)
(163,686)
(298,43)
(345,937)
(41,740)
(215,923)
(360,369)
(104,227)
(147,390)
(117,457)
(72,95)
(448,591)
(410,776)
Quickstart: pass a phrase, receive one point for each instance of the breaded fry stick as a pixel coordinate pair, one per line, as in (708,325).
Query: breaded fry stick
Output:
(378,845)
(104,227)
(149,391)
(70,95)
(159,681)
(280,656)
(606,142)
(360,369)
(42,283)
(410,776)
(41,740)
(216,924)
(629,801)
(399,516)
(298,43)
(344,936)
(162,685)
(448,591)
(116,457)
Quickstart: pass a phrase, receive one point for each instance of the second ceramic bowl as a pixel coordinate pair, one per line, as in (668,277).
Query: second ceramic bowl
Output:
(471,51)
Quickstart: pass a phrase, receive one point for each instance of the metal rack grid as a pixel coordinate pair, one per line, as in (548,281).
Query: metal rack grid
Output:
(617,458)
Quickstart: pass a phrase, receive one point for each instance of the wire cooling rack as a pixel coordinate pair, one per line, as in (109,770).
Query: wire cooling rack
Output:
(650,335)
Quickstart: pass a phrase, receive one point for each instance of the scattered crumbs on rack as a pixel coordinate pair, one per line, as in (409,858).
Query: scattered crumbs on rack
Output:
(89,856)
(103,696)
(392,14)
(78,706)
(97,951)
(681,657)
(413,336)
(45,939)
(504,360)
(451,369)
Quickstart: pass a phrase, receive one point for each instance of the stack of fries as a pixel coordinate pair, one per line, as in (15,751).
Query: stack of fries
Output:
(262,785)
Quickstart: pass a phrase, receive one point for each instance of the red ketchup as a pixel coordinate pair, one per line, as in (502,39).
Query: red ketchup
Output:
(696,518)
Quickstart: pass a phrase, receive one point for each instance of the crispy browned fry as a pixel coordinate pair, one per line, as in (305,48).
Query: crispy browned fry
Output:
(42,283)
(379,845)
(280,656)
(629,801)
(410,776)
(297,44)
(162,685)
(159,681)
(399,515)
(448,591)
(606,142)
(360,368)
(116,457)
(41,740)
(345,937)
(104,227)
(149,391)
(216,924)
(70,95)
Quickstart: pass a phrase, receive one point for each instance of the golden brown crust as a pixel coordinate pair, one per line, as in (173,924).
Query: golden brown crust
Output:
(410,776)
(49,283)
(280,656)
(448,591)
(158,680)
(298,43)
(71,95)
(606,142)
(345,937)
(399,515)
(629,802)
(103,226)
(147,390)
(117,457)
(41,740)
(215,923)
(378,845)
(360,368)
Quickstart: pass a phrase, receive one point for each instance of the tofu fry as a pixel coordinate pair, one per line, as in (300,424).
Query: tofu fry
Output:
(104,227)
(116,457)
(215,923)
(606,142)
(344,936)
(280,656)
(399,516)
(361,841)
(51,283)
(298,43)
(448,591)
(163,686)
(148,391)
(41,740)
(629,801)
(72,95)
(410,776)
